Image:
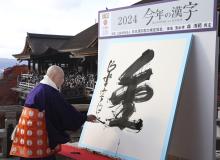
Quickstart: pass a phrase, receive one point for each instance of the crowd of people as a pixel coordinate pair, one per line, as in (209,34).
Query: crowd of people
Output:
(32,78)
(76,83)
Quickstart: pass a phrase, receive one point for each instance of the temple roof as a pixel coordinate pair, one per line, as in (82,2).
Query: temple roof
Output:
(82,40)
(39,43)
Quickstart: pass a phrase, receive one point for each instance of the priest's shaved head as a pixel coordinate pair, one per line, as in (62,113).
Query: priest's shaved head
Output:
(56,74)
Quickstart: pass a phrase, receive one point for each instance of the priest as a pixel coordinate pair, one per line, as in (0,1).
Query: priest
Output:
(45,118)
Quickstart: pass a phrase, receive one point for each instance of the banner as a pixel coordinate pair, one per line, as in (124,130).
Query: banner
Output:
(167,17)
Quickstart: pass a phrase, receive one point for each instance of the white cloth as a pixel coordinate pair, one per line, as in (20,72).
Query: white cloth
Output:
(48,81)
(13,133)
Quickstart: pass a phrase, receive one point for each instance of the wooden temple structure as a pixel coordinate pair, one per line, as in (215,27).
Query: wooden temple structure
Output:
(75,54)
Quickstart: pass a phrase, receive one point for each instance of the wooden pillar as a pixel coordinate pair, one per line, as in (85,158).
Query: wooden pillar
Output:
(42,67)
(10,123)
(3,141)
(39,67)
(34,66)
(29,65)
(91,65)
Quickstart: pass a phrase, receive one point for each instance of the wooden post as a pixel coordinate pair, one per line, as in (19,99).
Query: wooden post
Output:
(10,123)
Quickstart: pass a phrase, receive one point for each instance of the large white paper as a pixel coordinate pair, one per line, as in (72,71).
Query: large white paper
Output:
(136,96)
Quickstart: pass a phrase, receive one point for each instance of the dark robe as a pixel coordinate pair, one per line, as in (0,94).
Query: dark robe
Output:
(60,116)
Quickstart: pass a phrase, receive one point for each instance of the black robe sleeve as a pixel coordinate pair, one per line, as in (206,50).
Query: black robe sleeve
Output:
(61,116)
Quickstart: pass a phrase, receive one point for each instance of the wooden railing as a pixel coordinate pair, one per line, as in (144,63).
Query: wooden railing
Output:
(10,114)
(26,85)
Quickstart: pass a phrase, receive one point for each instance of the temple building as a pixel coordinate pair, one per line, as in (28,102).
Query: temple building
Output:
(77,55)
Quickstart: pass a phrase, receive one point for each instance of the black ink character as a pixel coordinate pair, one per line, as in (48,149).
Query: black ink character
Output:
(150,14)
(190,8)
(131,92)
(177,12)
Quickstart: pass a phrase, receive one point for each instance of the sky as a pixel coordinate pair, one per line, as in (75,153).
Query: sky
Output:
(60,17)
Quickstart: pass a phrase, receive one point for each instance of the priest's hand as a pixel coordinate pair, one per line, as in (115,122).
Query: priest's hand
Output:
(91,118)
